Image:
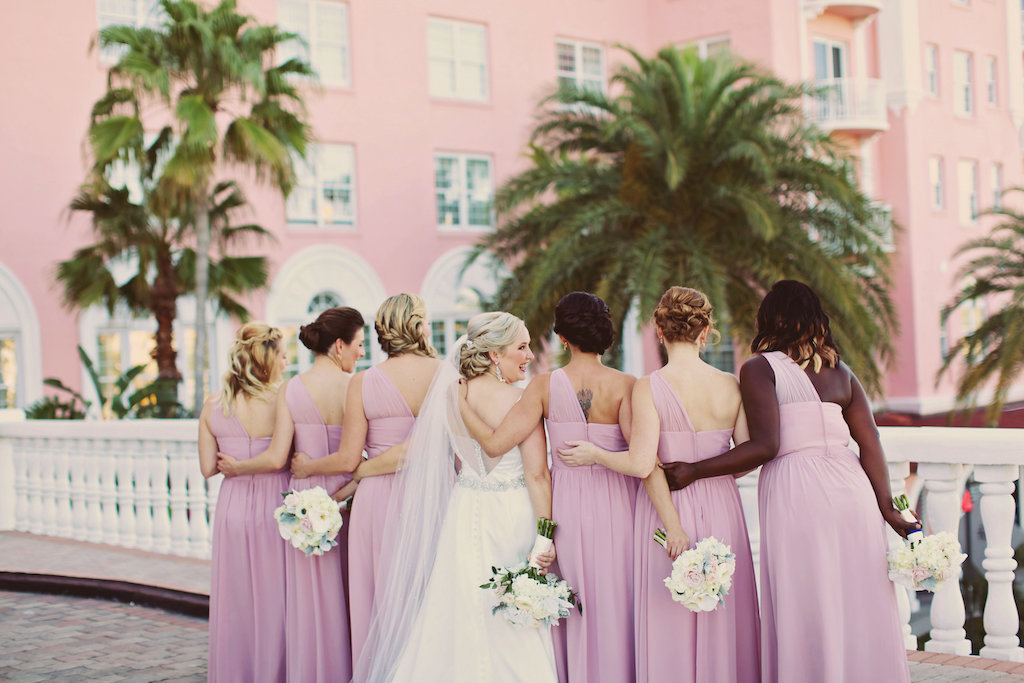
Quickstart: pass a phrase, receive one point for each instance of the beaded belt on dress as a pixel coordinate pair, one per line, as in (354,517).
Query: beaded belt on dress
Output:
(478,484)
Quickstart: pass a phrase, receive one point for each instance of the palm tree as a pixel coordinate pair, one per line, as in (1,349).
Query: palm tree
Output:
(696,172)
(212,74)
(995,348)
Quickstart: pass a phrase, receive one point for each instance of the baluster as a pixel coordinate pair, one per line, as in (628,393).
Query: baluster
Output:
(94,512)
(125,492)
(21,504)
(179,500)
(943,514)
(748,497)
(108,491)
(898,473)
(62,487)
(997,510)
(47,486)
(79,512)
(160,493)
(142,460)
(199,530)
(35,500)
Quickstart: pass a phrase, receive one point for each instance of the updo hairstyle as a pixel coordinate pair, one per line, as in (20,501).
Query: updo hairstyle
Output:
(792,320)
(400,327)
(251,364)
(584,321)
(487,332)
(333,324)
(683,313)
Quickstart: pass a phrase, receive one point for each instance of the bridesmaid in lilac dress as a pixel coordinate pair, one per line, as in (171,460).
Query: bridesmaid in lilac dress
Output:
(593,502)
(829,608)
(246,634)
(687,411)
(310,410)
(382,406)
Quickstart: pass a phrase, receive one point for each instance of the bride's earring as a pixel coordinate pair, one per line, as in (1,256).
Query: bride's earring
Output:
(497,369)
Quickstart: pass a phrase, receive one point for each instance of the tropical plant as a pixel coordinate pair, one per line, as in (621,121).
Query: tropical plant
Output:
(53,407)
(994,350)
(211,73)
(696,172)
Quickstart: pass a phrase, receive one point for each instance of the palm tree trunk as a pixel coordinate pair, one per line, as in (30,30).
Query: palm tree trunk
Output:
(201,352)
(164,304)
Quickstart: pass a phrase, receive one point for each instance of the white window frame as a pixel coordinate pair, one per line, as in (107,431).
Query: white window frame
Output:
(315,41)
(996,179)
(830,45)
(17,385)
(967,191)
(711,45)
(937,183)
(312,177)
(991,81)
(963,83)
(576,75)
(931,69)
(145,13)
(461,160)
(458,57)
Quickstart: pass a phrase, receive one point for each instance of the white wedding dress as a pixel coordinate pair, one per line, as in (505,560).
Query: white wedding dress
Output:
(489,523)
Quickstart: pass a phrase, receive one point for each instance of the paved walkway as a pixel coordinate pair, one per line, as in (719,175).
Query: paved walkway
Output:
(51,638)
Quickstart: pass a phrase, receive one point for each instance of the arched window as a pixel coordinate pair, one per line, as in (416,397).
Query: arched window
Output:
(20,345)
(454,295)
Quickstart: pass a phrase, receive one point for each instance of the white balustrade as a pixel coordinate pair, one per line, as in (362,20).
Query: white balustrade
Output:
(159,478)
(125,493)
(997,508)
(62,488)
(47,489)
(141,465)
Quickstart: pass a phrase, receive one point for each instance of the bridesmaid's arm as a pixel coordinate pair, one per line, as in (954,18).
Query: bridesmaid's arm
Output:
(741,434)
(642,456)
(518,424)
(626,408)
(207,443)
(276,455)
(385,463)
(872,459)
(345,491)
(761,408)
(657,490)
(353,437)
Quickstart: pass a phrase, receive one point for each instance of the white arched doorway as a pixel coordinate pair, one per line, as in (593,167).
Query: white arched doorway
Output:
(453,293)
(21,362)
(318,278)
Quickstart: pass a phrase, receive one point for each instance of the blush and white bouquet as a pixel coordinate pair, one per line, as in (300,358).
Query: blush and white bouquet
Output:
(524,596)
(701,576)
(924,563)
(309,519)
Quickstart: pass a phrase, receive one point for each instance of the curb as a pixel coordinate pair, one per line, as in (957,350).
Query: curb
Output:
(170,599)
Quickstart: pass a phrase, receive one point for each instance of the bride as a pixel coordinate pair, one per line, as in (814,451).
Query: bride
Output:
(432,621)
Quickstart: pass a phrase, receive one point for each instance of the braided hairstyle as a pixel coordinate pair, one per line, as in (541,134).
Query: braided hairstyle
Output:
(792,320)
(584,321)
(252,364)
(333,324)
(400,326)
(683,313)
(487,332)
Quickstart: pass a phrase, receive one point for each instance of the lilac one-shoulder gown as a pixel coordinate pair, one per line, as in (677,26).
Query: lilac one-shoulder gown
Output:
(593,506)
(673,643)
(317,618)
(829,608)
(389,421)
(247,601)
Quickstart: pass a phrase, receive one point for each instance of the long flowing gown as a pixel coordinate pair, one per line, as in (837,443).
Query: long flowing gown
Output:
(455,638)
(389,421)
(673,643)
(317,616)
(593,506)
(829,608)
(247,601)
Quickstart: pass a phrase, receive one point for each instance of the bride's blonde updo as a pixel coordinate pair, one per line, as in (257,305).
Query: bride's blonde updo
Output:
(252,364)
(400,325)
(487,332)
(682,314)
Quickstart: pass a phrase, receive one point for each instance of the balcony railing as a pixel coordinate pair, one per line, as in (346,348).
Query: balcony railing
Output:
(137,484)
(852,105)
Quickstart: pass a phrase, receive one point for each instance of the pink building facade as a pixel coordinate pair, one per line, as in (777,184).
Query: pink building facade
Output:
(426,108)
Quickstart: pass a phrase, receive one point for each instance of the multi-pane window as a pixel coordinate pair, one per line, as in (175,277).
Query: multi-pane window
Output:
(580,65)
(444,332)
(709,47)
(723,354)
(937,182)
(997,186)
(297,357)
(8,371)
(325,191)
(991,81)
(135,13)
(323,24)
(457,53)
(118,351)
(931,69)
(967,190)
(464,190)
(963,83)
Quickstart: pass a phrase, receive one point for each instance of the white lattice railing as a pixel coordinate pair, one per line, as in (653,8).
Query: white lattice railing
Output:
(137,484)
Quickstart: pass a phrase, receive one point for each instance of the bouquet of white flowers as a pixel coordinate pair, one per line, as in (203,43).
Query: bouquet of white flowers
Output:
(309,520)
(701,576)
(924,563)
(525,597)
